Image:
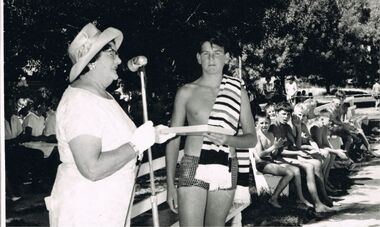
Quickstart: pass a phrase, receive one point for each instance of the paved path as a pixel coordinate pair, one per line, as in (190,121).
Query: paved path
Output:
(361,207)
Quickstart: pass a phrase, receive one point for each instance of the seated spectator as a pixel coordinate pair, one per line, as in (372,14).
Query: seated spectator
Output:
(305,142)
(50,122)
(31,160)
(292,155)
(354,125)
(270,112)
(319,132)
(266,149)
(12,129)
(338,127)
(34,122)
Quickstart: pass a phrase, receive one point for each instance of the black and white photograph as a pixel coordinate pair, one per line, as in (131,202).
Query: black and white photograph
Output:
(184,113)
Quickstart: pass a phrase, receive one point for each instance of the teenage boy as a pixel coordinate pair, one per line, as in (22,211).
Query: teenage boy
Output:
(291,154)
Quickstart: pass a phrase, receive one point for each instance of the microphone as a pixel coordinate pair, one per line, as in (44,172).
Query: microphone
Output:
(135,63)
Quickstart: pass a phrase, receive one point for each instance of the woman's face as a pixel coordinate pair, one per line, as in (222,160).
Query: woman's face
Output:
(108,63)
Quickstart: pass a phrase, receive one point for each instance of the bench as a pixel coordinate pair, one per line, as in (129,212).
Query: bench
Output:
(264,182)
(145,205)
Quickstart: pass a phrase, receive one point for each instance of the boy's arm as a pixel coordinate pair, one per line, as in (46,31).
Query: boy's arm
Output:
(172,148)
(260,149)
(248,139)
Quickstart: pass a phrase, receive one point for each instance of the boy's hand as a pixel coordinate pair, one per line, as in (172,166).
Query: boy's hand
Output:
(303,154)
(278,142)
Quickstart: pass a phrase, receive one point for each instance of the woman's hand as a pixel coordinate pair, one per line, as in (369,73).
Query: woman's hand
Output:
(162,137)
(218,139)
(144,137)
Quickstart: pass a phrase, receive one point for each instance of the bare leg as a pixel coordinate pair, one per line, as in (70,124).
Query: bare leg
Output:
(278,170)
(310,181)
(191,206)
(219,204)
(327,171)
(347,141)
(320,180)
(297,178)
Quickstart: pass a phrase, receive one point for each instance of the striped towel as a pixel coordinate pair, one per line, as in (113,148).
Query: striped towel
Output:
(213,165)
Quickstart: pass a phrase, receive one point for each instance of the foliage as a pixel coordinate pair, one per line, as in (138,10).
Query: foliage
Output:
(330,39)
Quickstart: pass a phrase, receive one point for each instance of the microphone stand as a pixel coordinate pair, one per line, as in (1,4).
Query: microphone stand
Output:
(153,198)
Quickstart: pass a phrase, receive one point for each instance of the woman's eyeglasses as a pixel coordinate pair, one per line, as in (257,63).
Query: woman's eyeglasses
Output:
(111,52)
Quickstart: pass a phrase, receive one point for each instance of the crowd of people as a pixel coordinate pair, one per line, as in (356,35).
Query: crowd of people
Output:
(99,144)
(28,120)
(294,138)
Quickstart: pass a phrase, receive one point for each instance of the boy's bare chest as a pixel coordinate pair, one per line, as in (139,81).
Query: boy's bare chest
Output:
(200,104)
(266,141)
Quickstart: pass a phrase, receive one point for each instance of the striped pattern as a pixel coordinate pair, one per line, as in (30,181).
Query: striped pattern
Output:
(214,162)
(244,164)
(226,114)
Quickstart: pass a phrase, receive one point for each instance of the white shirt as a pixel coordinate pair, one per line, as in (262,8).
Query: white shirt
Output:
(50,123)
(13,128)
(376,89)
(290,89)
(37,123)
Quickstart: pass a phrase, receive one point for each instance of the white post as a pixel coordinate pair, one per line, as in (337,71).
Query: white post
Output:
(153,197)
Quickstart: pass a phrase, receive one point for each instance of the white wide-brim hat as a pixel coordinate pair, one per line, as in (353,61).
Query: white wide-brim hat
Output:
(88,43)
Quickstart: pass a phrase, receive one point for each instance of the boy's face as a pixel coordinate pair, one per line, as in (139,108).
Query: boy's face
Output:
(299,113)
(271,112)
(263,124)
(283,116)
(212,58)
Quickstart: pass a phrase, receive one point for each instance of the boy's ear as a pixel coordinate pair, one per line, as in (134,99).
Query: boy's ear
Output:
(228,57)
(199,58)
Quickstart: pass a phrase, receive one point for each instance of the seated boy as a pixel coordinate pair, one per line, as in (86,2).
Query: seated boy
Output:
(319,157)
(266,148)
(291,154)
(319,131)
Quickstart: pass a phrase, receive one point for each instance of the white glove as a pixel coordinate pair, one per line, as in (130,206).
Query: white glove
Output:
(162,137)
(143,137)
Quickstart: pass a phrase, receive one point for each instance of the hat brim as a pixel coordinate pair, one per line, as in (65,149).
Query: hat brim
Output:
(105,37)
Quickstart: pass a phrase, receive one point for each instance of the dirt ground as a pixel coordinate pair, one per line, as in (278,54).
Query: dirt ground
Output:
(361,207)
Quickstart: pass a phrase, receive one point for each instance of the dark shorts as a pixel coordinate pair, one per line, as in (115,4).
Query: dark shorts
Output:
(188,168)
(260,165)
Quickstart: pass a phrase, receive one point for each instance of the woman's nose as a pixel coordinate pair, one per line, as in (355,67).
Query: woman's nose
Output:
(118,60)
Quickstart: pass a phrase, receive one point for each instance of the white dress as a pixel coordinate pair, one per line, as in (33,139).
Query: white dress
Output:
(75,200)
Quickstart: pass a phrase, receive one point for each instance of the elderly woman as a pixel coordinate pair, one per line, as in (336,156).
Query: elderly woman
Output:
(98,143)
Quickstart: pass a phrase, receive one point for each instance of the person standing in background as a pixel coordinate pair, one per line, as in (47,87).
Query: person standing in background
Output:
(376,92)
(291,88)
